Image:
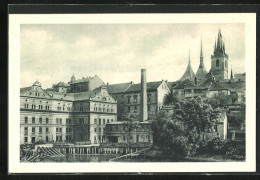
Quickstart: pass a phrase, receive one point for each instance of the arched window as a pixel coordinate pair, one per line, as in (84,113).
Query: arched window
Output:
(225,63)
(217,63)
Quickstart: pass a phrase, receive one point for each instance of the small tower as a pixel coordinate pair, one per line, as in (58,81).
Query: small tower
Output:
(189,74)
(72,79)
(219,59)
(231,75)
(201,72)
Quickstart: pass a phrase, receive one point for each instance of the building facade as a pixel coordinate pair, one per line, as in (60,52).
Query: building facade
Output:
(54,116)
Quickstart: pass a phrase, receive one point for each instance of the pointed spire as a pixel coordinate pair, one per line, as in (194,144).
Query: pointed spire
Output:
(201,52)
(189,74)
(231,75)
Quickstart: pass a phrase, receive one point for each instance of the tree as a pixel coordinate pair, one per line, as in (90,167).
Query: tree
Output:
(179,133)
(132,124)
(220,100)
(172,98)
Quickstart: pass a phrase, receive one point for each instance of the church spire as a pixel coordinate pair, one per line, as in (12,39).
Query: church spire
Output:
(201,72)
(231,74)
(189,74)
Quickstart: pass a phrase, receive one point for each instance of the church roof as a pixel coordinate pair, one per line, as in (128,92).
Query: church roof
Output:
(189,74)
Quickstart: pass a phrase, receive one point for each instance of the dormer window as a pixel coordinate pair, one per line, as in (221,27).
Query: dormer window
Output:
(217,63)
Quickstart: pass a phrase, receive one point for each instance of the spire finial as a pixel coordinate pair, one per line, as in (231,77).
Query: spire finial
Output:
(201,52)
(231,74)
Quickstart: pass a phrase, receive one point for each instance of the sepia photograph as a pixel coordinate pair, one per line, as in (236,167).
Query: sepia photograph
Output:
(125,92)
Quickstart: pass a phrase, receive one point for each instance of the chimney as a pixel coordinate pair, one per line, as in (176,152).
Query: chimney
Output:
(143,103)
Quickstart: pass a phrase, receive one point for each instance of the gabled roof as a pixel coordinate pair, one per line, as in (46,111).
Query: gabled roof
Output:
(151,86)
(185,84)
(118,88)
(85,95)
(24,89)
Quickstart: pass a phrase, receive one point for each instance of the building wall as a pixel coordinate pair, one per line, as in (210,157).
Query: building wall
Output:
(123,135)
(220,72)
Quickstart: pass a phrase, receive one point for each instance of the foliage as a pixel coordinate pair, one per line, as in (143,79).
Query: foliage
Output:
(132,124)
(221,100)
(231,149)
(172,98)
(179,133)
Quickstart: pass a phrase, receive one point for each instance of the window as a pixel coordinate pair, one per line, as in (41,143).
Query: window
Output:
(226,63)
(25,130)
(67,121)
(128,108)
(60,121)
(40,130)
(40,120)
(128,99)
(135,108)
(112,120)
(217,63)
(99,121)
(25,139)
(33,120)
(95,129)
(104,121)
(149,107)
(25,120)
(116,128)
(47,130)
(124,138)
(47,120)
(47,139)
(99,130)
(95,121)
(107,120)
(112,110)
(33,130)
(135,99)
(99,137)
(33,139)
(81,120)
(81,108)
(104,109)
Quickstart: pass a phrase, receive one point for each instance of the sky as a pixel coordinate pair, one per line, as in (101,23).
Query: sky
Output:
(117,52)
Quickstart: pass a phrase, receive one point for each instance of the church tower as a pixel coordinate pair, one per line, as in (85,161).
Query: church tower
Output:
(201,72)
(219,59)
(189,74)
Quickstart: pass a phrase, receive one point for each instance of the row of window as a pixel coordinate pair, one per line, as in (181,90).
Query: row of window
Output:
(59,108)
(135,98)
(33,106)
(126,129)
(103,109)
(135,108)
(99,130)
(33,139)
(33,130)
(33,120)
(137,137)
(100,122)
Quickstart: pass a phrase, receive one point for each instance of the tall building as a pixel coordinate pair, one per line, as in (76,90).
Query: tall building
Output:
(54,115)
(219,59)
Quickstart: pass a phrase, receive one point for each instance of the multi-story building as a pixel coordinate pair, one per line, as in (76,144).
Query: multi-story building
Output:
(56,115)
(128,96)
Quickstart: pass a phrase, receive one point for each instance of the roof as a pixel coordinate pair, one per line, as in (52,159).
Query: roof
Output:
(150,86)
(216,86)
(61,84)
(85,95)
(24,89)
(84,79)
(234,86)
(58,95)
(172,84)
(118,88)
(184,84)
(189,74)
(201,72)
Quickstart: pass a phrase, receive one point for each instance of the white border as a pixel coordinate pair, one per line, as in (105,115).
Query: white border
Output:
(14,93)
